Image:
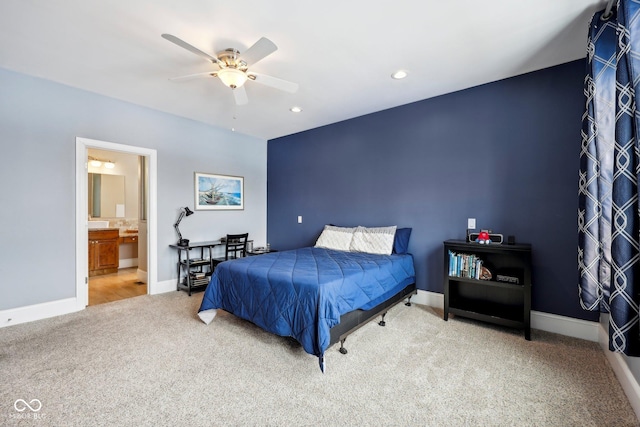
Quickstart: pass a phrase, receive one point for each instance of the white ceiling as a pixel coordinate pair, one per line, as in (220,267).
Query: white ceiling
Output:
(340,52)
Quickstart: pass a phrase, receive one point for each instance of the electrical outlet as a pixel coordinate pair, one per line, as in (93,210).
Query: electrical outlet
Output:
(471,223)
(299,219)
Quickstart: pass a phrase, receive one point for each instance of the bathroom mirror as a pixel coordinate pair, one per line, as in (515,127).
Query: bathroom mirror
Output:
(106,195)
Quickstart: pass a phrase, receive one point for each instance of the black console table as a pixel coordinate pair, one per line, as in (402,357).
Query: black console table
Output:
(260,251)
(504,299)
(194,273)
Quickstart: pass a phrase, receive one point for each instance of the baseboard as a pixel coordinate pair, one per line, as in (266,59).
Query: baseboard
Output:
(544,321)
(15,316)
(142,276)
(163,287)
(128,263)
(562,325)
(431,299)
(620,367)
(576,328)
(30,313)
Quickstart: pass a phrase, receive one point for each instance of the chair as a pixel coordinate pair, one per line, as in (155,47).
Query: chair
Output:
(235,247)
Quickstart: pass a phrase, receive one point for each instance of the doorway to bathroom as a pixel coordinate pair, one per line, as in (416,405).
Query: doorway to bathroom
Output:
(115,221)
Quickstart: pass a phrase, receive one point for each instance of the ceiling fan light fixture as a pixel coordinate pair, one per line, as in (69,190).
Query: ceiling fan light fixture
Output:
(295,109)
(232,77)
(233,68)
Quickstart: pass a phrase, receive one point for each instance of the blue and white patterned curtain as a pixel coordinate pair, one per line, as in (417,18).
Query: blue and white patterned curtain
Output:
(608,210)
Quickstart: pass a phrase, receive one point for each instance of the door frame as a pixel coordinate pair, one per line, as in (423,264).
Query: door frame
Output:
(82,225)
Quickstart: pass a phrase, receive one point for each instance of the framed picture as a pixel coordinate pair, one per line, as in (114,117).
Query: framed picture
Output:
(218,192)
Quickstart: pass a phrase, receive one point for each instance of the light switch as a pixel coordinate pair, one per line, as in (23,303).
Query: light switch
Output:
(299,219)
(471,223)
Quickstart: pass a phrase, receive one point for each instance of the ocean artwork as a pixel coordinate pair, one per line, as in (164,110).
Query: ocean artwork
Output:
(218,191)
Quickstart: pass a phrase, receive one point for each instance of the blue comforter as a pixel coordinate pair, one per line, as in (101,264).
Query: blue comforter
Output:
(302,293)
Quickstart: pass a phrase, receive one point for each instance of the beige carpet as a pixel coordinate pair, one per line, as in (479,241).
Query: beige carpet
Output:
(149,361)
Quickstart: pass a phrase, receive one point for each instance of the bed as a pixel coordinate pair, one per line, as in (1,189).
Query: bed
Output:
(317,295)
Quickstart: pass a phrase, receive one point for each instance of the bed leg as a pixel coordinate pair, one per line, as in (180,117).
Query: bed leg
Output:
(382,322)
(342,349)
(408,303)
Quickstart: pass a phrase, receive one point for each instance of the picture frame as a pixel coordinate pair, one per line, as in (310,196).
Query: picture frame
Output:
(218,192)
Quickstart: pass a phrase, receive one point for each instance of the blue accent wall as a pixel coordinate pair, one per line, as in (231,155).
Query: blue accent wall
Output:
(505,153)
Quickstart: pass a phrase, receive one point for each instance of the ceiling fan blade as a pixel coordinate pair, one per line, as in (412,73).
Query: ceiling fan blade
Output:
(192,76)
(185,45)
(258,51)
(240,95)
(274,82)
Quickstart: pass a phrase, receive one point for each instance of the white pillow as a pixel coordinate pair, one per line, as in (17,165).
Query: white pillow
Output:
(338,238)
(376,240)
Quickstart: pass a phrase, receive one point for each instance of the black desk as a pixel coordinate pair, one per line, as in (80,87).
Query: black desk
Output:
(259,251)
(196,271)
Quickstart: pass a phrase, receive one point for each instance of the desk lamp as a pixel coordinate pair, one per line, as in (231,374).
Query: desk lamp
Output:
(183,211)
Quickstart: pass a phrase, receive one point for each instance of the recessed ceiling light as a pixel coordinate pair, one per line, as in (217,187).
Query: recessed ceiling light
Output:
(295,109)
(400,74)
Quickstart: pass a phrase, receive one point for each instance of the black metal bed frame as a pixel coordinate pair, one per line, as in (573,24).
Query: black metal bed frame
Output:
(350,322)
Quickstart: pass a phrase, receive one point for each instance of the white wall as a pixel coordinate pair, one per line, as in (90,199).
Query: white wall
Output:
(39,123)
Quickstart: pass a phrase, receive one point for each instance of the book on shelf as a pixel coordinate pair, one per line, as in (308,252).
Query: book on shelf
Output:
(464,265)
(196,282)
(194,261)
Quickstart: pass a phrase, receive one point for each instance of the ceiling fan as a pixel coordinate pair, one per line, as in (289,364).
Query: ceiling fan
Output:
(233,67)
